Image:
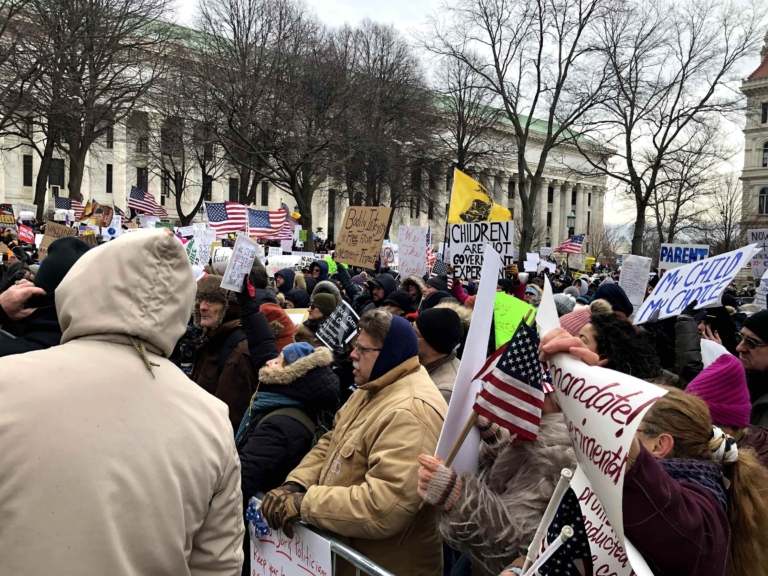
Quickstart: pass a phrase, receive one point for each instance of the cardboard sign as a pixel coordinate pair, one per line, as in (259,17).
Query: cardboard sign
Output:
(412,244)
(7,219)
(704,281)
(634,277)
(361,235)
(54,230)
(468,241)
(760,259)
(26,234)
(676,255)
(340,327)
(240,263)
(90,238)
(508,312)
(466,387)
(274,554)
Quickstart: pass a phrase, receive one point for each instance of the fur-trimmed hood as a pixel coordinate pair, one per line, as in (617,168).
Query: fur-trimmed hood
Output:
(328,287)
(465,314)
(408,281)
(310,380)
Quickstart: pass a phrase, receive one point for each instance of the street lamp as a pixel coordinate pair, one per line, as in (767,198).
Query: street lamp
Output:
(571,220)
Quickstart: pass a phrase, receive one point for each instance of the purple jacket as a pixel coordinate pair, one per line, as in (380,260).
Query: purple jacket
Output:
(678,527)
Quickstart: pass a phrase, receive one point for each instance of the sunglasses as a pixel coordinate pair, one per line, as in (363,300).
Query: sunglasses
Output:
(752,343)
(311,307)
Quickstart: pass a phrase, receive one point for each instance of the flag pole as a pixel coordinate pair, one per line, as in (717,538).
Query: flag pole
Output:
(565,534)
(546,519)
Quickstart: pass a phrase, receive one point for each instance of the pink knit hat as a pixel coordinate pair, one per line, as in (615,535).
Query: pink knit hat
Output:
(723,386)
(576,320)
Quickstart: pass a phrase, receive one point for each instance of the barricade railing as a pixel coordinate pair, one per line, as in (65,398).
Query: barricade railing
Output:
(362,564)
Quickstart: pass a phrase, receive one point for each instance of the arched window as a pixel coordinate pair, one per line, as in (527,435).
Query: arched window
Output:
(762,207)
(765,155)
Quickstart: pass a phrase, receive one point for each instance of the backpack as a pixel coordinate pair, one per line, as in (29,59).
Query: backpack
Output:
(316,429)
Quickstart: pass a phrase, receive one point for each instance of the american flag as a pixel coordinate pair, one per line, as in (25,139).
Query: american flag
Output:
(70,204)
(144,202)
(269,224)
(226,217)
(441,268)
(431,257)
(512,395)
(120,213)
(572,245)
(575,552)
(546,381)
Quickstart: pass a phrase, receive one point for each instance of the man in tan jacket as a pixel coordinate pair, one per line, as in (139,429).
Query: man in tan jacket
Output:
(360,480)
(113,461)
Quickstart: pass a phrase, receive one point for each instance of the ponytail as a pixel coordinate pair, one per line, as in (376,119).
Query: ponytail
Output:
(686,418)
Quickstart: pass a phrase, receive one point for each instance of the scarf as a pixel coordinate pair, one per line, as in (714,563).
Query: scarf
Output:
(263,401)
(708,475)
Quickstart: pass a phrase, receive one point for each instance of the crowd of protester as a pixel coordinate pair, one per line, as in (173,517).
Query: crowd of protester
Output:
(115,463)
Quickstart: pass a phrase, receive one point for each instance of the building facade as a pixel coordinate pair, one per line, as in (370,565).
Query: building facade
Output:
(754,176)
(122,160)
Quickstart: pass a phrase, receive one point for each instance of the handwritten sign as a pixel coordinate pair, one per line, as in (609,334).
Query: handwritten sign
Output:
(192,252)
(412,243)
(53,231)
(508,312)
(704,281)
(274,251)
(204,239)
(676,255)
(239,265)
(148,221)
(186,231)
(340,328)
(760,259)
(295,263)
(7,219)
(274,554)
(362,234)
(168,225)
(468,243)
(634,277)
(760,296)
(545,250)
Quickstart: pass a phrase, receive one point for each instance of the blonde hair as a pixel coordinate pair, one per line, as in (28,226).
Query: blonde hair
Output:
(686,418)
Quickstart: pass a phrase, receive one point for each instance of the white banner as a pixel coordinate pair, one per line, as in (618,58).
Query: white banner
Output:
(760,258)
(468,243)
(239,265)
(412,256)
(676,255)
(704,281)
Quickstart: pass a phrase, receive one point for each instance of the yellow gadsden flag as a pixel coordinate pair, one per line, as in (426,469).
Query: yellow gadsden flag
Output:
(470,202)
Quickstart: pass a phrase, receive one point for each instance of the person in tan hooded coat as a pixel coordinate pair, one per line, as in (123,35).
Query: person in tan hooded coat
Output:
(113,461)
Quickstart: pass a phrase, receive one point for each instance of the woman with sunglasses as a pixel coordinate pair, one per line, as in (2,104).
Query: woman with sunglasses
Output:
(753,353)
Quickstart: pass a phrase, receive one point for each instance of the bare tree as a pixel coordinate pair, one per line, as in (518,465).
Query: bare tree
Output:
(673,65)
(722,228)
(279,81)
(468,121)
(116,53)
(538,58)
(604,241)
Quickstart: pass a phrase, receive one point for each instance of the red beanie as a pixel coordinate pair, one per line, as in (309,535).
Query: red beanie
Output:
(723,386)
(574,321)
(275,314)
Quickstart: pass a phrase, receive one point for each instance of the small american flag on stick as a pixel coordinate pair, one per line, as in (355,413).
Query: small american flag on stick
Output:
(572,245)
(512,394)
(439,269)
(144,202)
(575,557)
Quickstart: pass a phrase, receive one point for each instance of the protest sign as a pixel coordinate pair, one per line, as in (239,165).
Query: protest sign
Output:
(204,240)
(286,245)
(704,281)
(274,554)
(760,259)
(634,277)
(302,235)
(545,250)
(466,387)
(220,259)
(7,219)
(361,235)
(192,252)
(148,221)
(273,251)
(340,327)
(332,266)
(295,263)
(110,233)
(53,231)
(676,255)
(26,234)
(468,241)
(508,312)
(168,225)
(90,238)
(186,231)
(38,239)
(577,261)
(26,207)
(304,254)
(412,244)
(760,296)
(239,264)
(116,222)
(297,315)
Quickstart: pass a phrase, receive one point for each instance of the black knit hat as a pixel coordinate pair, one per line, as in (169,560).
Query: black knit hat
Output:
(62,255)
(439,282)
(441,328)
(401,299)
(758,323)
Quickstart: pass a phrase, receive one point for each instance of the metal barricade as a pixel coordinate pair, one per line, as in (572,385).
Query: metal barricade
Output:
(362,564)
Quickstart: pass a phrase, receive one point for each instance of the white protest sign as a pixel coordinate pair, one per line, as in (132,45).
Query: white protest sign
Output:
(704,281)
(634,277)
(529,266)
(676,255)
(273,251)
(532,257)
(412,256)
(760,259)
(760,297)
(466,388)
(186,231)
(577,261)
(38,239)
(204,238)
(274,554)
(468,243)
(306,254)
(277,263)
(545,250)
(148,221)
(109,233)
(116,222)
(199,226)
(240,263)
(340,327)
(286,245)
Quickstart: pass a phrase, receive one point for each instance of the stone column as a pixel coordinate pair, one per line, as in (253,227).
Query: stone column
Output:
(556,228)
(543,208)
(581,218)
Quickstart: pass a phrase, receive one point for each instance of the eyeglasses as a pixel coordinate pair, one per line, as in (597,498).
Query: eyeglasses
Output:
(311,307)
(752,343)
(363,349)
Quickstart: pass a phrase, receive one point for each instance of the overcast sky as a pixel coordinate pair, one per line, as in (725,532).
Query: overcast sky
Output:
(409,15)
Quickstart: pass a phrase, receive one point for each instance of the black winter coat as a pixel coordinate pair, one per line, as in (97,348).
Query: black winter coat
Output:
(39,331)
(268,453)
